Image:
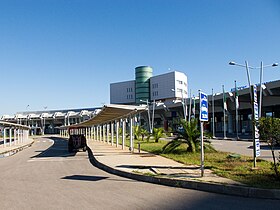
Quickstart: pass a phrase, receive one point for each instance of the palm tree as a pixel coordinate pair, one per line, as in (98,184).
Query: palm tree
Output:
(158,133)
(137,129)
(188,135)
(143,132)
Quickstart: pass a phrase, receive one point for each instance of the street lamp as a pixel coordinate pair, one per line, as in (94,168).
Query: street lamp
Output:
(155,103)
(184,104)
(261,78)
(149,117)
(255,138)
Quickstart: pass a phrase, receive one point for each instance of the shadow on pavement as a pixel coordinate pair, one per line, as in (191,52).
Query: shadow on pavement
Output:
(58,149)
(85,178)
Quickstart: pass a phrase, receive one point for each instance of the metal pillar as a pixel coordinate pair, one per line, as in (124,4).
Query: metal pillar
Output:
(112,133)
(131,134)
(123,133)
(117,133)
(10,136)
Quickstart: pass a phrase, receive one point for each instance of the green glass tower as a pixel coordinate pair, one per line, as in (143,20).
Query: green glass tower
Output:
(142,83)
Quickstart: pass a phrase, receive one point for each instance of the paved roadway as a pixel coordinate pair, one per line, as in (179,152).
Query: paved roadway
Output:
(45,176)
(244,148)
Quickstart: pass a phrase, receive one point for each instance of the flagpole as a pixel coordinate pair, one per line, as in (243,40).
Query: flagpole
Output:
(193,106)
(213,116)
(224,101)
(190,105)
(236,109)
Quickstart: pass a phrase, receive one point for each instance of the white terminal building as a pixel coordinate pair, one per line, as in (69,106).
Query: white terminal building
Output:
(166,95)
(163,92)
(164,87)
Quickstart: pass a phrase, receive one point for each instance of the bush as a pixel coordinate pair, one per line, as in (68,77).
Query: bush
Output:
(269,129)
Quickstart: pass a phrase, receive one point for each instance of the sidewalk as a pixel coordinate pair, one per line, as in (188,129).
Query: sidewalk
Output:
(7,151)
(152,168)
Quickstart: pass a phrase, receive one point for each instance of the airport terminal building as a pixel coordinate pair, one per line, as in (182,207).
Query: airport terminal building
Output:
(168,101)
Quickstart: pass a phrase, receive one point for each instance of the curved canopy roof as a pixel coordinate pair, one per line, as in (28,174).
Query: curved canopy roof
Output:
(110,113)
(8,124)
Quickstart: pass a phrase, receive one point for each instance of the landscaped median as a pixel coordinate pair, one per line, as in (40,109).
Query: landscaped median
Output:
(221,163)
(124,163)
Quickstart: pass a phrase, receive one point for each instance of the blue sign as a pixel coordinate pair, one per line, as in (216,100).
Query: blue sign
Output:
(203,114)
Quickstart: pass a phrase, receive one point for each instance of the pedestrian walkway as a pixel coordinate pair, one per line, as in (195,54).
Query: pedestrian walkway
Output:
(150,164)
(10,150)
(152,168)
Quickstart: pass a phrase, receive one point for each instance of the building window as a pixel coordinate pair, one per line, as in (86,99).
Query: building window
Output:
(155,93)
(180,82)
(155,85)
(130,96)
(179,90)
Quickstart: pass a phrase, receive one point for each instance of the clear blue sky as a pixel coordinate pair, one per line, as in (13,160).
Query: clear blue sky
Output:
(65,53)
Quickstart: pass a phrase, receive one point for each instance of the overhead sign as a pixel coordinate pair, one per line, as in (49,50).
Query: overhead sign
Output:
(203,114)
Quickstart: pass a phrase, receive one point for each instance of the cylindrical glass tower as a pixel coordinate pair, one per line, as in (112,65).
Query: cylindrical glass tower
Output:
(142,83)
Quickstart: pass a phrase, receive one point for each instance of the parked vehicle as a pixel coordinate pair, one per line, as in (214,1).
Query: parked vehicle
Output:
(77,139)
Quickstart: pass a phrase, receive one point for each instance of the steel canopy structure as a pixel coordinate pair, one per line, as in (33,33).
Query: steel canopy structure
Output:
(109,113)
(9,124)
(13,134)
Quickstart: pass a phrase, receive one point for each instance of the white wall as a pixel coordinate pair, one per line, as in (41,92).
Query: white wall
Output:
(161,86)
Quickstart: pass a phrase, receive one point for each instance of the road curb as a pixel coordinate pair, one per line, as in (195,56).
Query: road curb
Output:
(227,189)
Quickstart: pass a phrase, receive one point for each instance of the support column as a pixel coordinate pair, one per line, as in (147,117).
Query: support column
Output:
(99,129)
(10,136)
(15,136)
(117,133)
(4,137)
(123,133)
(18,131)
(107,131)
(112,133)
(104,132)
(131,134)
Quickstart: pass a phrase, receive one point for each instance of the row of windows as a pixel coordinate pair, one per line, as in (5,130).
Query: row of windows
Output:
(181,91)
(155,85)
(181,82)
(129,97)
(155,93)
(129,90)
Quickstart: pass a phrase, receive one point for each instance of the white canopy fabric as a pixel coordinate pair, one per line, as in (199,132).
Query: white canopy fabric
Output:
(110,113)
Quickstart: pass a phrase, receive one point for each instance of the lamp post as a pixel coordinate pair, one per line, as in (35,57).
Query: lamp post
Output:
(149,117)
(213,114)
(249,80)
(261,77)
(253,101)
(190,106)
(154,103)
(184,104)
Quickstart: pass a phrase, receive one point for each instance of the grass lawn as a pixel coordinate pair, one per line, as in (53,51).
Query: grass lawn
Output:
(238,169)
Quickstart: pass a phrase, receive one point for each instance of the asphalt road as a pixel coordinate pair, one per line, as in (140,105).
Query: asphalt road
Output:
(46,176)
(244,148)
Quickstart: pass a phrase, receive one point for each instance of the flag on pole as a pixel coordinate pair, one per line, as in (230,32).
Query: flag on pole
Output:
(224,99)
(193,109)
(236,97)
